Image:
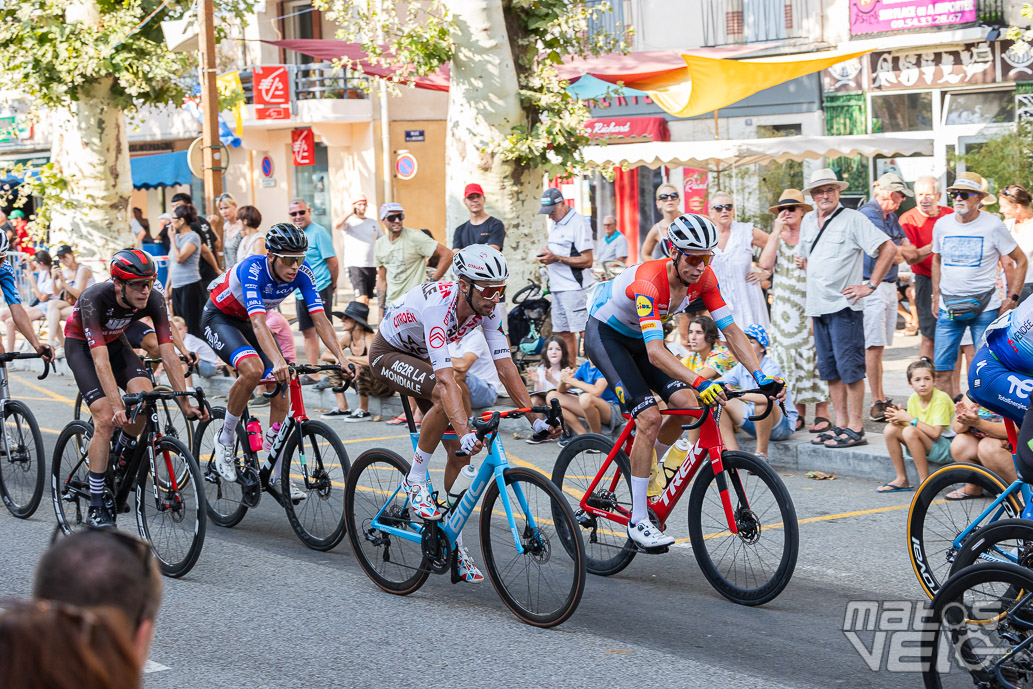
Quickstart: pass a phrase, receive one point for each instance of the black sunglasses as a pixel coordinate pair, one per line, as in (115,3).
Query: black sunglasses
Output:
(789,208)
(296,213)
(724,207)
(395,217)
(672,195)
(963,195)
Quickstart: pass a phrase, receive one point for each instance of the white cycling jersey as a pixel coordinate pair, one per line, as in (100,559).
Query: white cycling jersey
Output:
(423,322)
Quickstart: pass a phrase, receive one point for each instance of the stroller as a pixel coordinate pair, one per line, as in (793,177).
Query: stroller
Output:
(529,325)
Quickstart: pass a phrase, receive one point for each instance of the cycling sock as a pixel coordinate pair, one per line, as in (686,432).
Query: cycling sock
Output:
(418,472)
(639,486)
(229,428)
(459,540)
(96,489)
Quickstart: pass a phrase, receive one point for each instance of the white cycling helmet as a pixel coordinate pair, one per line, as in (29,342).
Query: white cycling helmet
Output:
(481,262)
(691,232)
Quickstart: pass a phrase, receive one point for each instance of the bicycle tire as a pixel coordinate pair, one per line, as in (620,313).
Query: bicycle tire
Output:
(987,544)
(173,421)
(184,505)
(609,552)
(224,500)
(69,477)
(318,520)
(530,596)
(757,527)
(22,462)
(930,541)
(394,564)
(78,407)
(971,611)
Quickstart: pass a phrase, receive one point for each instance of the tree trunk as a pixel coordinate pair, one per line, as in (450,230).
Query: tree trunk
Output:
(484,104)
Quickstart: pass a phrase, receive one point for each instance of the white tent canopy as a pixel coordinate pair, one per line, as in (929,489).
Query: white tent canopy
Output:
(733,153)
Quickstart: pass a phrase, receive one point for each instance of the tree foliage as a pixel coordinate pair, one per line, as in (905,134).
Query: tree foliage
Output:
(1005,159)
(1022,36)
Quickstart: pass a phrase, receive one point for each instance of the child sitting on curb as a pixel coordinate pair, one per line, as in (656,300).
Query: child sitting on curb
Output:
(923,430)
(981,439)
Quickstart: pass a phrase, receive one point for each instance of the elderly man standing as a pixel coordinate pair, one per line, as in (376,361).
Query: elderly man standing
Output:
(401,256)
(917,250)
(880,309)
(612,246)
(481,228)
(568,256)
(322,260)
(832,241)
(967,246)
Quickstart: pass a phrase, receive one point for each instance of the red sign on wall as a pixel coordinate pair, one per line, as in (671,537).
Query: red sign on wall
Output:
(277,113)
(303,147)
(270,86)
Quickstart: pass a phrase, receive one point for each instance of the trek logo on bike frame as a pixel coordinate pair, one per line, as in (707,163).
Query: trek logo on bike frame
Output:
(684,471)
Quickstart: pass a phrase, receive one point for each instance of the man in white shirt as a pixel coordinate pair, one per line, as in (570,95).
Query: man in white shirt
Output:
(568,256)
(967,246)
(360,235)
(613,246)
(471,356)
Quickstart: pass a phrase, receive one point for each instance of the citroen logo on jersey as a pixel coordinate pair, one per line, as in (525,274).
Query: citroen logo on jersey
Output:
(644,305)
(437,338)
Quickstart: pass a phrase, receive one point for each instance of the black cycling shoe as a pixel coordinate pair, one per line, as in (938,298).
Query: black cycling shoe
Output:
(100,518)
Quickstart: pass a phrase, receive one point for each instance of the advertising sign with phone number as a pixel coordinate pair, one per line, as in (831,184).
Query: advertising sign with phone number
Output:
(879,16)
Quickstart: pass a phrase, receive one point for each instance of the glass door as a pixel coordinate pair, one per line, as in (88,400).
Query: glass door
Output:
(312,183)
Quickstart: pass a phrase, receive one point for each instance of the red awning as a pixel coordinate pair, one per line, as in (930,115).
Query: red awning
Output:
(651,128)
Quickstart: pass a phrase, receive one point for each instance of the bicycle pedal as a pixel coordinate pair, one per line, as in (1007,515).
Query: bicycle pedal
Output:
(655,551)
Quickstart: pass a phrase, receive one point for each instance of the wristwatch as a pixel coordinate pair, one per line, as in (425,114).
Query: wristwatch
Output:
(869,285)
(1015,298)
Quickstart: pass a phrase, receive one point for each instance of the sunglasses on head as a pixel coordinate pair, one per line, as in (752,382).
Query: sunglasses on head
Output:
(490,291)
(963,195)
(395,217)
(724,207)
(290,260)
(672,195)
(295,214)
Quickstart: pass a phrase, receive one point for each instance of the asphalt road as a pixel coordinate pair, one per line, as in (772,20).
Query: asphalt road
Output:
(259,609)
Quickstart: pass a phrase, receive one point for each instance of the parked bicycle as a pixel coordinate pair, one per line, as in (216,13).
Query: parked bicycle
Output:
(313,457)
(531,545)
(22,463)
(742,521)
(158,469)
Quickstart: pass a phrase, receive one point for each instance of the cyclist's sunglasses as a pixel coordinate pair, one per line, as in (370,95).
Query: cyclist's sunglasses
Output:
(395,217)
(490,291)
(290,260)
(724,207)
(673,195)
(139,285)
(696,259)
(963,195)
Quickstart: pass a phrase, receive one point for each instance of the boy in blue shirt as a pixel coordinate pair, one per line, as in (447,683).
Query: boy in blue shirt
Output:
(594,400)
(777,426)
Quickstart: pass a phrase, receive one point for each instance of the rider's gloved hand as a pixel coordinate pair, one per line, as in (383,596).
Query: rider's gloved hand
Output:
(709,391)
(468,442)
(769,385)
(541,429)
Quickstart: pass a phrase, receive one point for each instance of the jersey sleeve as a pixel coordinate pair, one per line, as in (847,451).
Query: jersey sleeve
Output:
(498,343)
(713,300)
(9,286)
(305,282)
(159,317)
(91,313)
(645,295)
(434,324)
(249,273)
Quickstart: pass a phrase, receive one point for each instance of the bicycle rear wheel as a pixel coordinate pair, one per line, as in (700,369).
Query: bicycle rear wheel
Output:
(69,476)
(170,507)
(224,499)
(80,410)
(393,563)
(753,566)
(608,549)
(933,522)
(22,463)
(320,469)
(979,618)
(1005,540)
(544,584)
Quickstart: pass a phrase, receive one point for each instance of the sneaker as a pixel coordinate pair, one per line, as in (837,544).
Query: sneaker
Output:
(338,414)
(762,457)
(565,440)
(359,415)
(99,518)
(539,438)
(323,384)
(297,494)
(421,500)
(59,352)
(878,411)
(259,401)
(308,380)
(223,462)
(468,571)
(647,535)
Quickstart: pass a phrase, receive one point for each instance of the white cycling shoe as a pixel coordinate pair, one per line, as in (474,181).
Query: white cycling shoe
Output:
(421,500)
(297,494)
(223,463)
(468,571)
(647,535)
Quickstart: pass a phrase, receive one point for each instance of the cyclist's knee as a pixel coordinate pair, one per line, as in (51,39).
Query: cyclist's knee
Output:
(647,422)
(250,370)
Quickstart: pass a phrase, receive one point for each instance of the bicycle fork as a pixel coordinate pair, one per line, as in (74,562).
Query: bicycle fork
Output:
(722,489)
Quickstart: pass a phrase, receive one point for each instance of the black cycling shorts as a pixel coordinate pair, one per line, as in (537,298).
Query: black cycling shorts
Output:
(135,333)
(231,338)
(125,365)
(624,363)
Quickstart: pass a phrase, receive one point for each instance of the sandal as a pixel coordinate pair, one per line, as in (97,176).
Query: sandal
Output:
(826,425)
(397,421)
(799,422)
(893,488)
(848,438)
(830,434)
(961,494)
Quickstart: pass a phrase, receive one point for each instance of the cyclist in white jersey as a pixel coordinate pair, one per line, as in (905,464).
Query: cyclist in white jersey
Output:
(410,355)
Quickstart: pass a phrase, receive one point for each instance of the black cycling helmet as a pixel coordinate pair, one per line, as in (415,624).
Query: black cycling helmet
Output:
(286,238)
(133,264)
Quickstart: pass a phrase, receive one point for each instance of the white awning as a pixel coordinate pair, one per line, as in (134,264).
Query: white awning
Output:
(733,153)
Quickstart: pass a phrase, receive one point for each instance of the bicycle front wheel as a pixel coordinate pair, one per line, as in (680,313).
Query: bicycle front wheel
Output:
(395,564)
(170,507)
(543,584)
(754,565)
(978,629)
(70,478)
(173,421)
(22,463)
(319,467)
(225,499)
(80,410)
(1005,540)
(933,521)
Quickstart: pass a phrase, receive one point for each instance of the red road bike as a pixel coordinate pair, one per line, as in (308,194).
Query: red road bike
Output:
(742,522)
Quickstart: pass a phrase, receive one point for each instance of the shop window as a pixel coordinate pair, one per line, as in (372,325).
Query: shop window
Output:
(983,107)
(312,183)
(299,21)
(902,112)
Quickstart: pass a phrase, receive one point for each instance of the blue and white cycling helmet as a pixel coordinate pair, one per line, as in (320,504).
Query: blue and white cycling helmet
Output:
(758,333)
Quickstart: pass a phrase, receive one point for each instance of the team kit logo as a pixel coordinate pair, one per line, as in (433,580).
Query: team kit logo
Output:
(643,305)
(437,338)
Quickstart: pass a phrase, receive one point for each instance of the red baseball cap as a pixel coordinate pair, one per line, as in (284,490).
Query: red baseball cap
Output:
(472,189)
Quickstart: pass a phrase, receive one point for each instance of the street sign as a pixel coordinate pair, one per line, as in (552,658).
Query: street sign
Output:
(195,158)
(303,147)
(414,135)
(406,166)
(267,166)
(269,182)
(270,85)
(279,112)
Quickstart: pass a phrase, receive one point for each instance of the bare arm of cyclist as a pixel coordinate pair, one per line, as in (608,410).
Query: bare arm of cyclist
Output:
(325,329)
(175,374)
(452,402)
(267,342)
(669,364)
(24,325)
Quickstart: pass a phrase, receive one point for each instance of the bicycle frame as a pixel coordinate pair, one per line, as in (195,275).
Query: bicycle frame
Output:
(291,422)
(135,466)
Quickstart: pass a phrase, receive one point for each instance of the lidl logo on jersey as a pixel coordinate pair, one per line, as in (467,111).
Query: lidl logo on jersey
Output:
(644,305)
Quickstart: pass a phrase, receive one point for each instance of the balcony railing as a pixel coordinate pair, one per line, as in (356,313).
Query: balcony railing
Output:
(315,81)
(990,12)
(730,22)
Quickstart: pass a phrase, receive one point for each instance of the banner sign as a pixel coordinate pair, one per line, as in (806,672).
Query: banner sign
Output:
(694,191)
(303,147)
(269,85)
(880,16)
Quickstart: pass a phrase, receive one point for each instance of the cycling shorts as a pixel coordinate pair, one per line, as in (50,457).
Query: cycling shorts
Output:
(135,333)
(624,363)
(993,385)
(402,372)
(232,339)
(125,366)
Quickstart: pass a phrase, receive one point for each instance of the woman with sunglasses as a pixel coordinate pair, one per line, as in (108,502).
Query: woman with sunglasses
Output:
(655,244)
(624,339)
(733,262)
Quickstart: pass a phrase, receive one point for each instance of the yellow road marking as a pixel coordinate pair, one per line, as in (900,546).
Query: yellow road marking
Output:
(50,394)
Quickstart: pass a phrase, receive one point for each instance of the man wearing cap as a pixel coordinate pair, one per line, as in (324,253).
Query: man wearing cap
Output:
(360,236)
(612,246)
(833,240)
(401,256)
(967,246)
(568,256)
(481,228)
(917,250)
(880,309)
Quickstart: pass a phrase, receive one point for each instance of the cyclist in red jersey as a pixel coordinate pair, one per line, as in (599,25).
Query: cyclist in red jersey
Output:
(624,339)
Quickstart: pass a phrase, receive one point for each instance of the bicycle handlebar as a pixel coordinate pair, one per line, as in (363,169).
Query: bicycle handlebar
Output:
(302,369)
(191,366)
(489,420)
(12,356)
(137,401)
(733,394)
